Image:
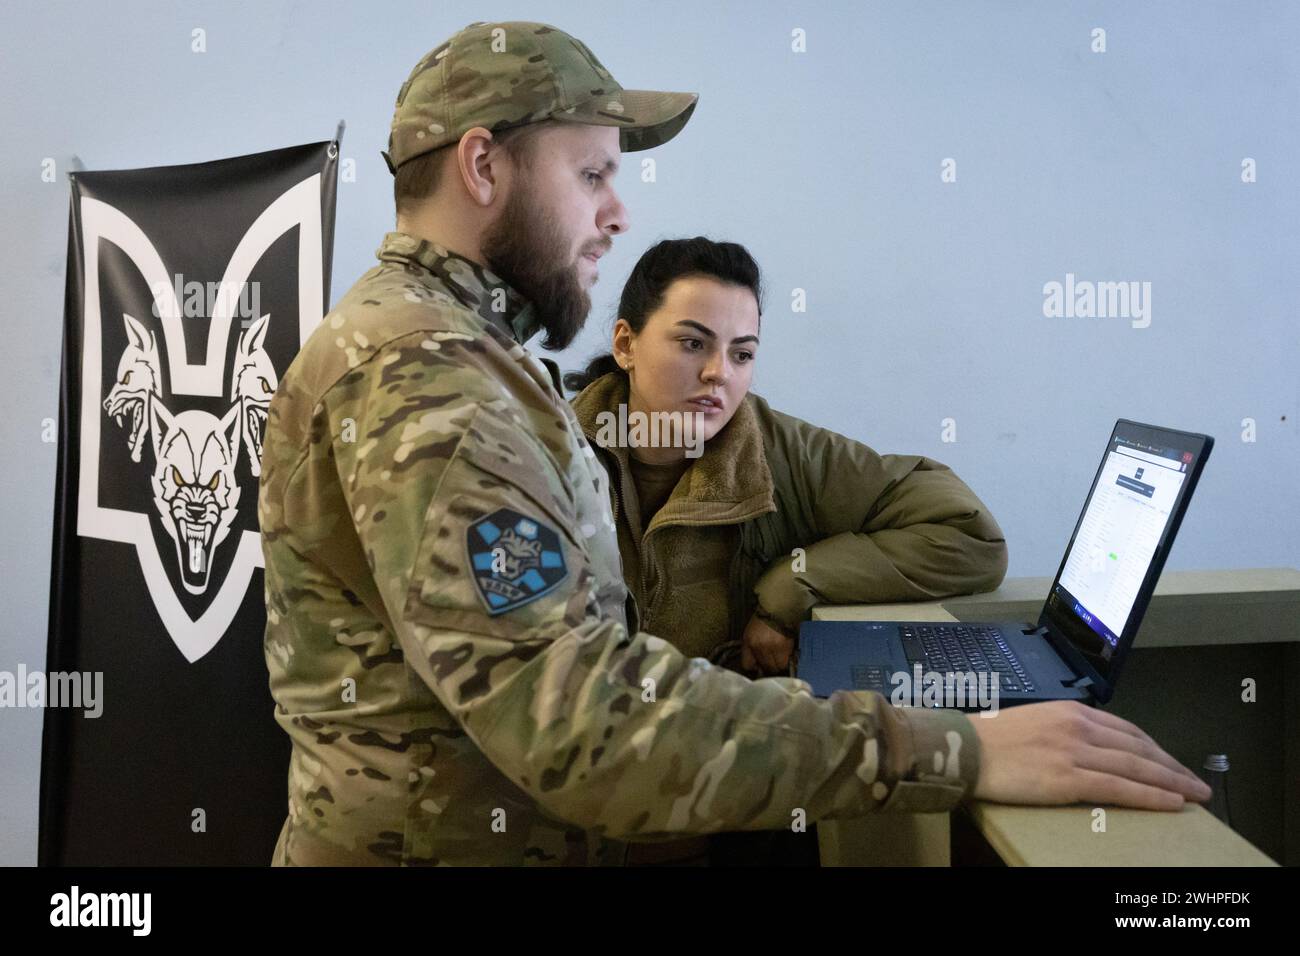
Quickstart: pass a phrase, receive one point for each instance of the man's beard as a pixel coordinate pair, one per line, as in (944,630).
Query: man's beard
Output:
(520,247)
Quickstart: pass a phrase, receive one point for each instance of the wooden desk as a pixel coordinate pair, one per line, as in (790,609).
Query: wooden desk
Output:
(1203,631)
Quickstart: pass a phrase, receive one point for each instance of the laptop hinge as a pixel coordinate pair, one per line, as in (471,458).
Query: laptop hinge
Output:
(1079,683)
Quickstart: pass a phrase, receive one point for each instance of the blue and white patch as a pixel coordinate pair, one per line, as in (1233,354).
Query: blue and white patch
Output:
(514,559)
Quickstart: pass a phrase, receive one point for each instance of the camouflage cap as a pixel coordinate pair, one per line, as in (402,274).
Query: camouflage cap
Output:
(499,75)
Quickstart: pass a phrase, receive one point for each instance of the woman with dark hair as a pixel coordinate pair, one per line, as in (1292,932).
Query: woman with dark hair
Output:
(726,552)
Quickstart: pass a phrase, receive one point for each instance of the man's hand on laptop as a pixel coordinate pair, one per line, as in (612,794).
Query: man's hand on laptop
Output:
(1065,752)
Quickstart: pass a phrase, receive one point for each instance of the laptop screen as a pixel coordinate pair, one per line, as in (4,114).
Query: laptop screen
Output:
(1111,566)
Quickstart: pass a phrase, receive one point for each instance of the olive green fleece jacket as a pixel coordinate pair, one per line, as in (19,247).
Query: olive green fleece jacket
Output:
(871,528)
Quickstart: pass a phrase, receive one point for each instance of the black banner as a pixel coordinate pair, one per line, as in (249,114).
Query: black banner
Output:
(189,291)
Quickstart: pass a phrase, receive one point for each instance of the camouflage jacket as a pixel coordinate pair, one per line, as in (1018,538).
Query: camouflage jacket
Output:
(446,632)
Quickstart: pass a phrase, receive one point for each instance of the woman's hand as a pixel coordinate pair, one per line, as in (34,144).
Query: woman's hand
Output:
(765,648)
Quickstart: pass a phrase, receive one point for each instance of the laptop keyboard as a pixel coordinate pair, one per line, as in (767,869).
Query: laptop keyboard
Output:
(951,648)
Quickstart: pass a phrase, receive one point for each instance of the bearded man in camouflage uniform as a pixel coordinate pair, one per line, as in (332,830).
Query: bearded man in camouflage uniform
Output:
(450,643)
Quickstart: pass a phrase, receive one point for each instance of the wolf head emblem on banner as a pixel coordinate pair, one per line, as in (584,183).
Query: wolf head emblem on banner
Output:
(161,401)
(139,381)
(253,382)
(194,485)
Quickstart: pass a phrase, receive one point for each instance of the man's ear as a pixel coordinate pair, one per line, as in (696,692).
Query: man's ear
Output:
(474,162)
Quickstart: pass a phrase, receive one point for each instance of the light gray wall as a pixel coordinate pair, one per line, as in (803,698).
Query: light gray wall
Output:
(924,298)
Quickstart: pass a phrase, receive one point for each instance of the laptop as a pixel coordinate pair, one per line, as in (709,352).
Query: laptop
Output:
(1087,624)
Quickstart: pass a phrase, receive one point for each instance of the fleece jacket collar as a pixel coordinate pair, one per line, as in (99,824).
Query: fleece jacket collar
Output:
(729,483)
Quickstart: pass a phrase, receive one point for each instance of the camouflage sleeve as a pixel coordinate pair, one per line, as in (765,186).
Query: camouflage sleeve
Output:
(606,730)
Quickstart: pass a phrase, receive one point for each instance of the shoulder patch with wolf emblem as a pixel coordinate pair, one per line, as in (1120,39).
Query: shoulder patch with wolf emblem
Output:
(514,559)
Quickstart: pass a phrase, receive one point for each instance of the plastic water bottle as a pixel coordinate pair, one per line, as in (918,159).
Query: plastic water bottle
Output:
(1216,767)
